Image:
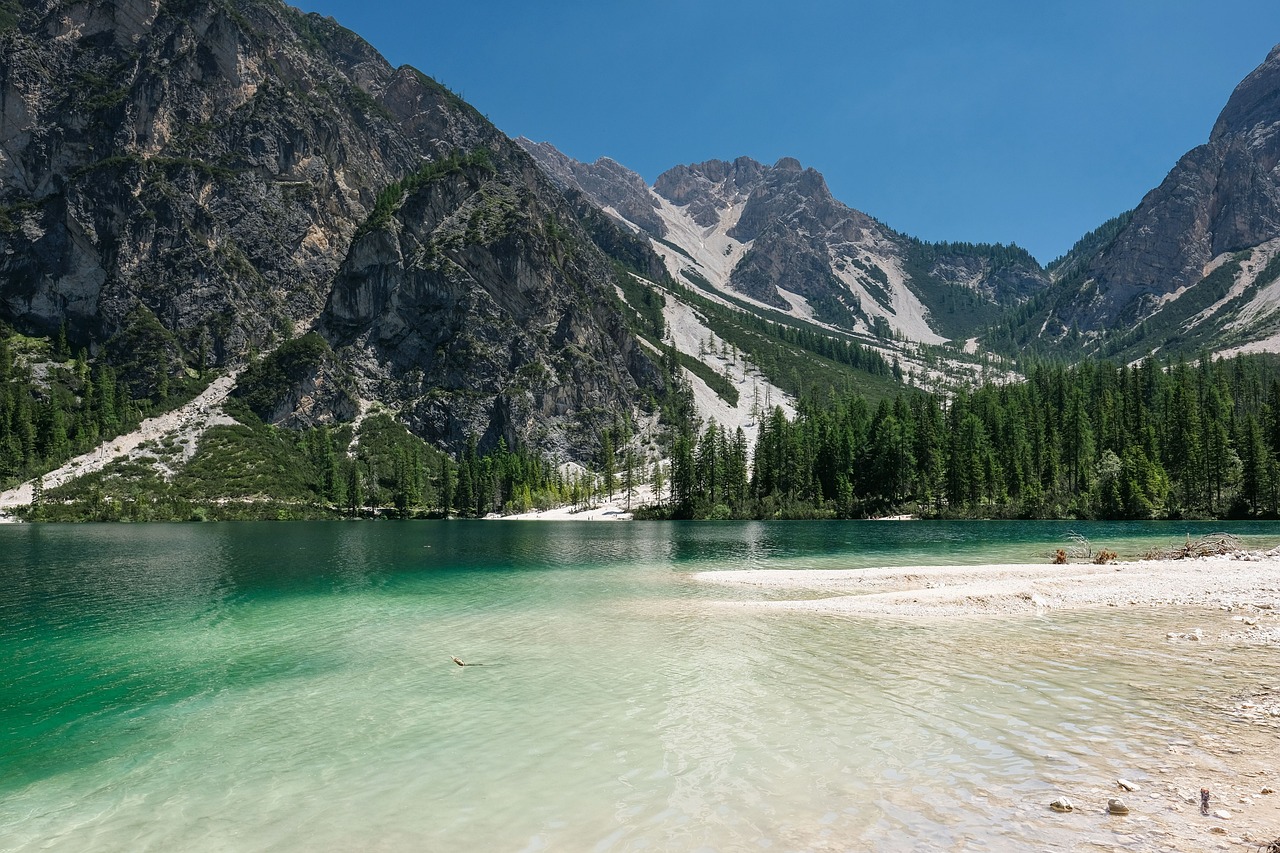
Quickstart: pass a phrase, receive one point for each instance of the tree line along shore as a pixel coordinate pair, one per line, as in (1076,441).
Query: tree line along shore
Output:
(1152,440)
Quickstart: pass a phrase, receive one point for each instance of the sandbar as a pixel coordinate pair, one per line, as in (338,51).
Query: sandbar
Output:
(1249,580)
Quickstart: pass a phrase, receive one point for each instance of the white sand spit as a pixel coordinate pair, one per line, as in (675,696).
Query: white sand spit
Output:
(1245,580)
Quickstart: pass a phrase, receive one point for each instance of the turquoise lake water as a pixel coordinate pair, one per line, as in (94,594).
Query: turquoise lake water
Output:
(280,687)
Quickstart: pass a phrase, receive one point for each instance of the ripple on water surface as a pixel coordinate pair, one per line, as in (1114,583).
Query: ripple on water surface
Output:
(281,688)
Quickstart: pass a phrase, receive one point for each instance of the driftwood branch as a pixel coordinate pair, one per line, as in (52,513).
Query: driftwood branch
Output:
(1210,545)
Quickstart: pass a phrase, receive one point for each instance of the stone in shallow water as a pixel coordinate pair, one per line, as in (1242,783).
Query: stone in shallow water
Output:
(1115,806)
(1126,785)
(1062,804)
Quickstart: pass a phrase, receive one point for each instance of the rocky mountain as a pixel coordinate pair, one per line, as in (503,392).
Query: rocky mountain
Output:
(209,179)
(775,238)
(611,186)
(479,299)
(1195,264)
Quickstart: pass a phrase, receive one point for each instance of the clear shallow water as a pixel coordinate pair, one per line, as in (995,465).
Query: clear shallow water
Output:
(288,687)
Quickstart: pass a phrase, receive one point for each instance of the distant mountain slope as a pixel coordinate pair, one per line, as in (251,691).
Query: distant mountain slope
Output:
(775,236)
(214,177)
(1193,266)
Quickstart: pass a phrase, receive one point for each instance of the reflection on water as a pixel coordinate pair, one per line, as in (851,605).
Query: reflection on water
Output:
(289,687)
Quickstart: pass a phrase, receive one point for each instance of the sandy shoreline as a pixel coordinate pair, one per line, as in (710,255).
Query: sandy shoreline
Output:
(1221,607)
(1247,580)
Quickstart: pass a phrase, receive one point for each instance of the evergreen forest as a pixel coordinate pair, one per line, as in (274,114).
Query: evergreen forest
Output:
(1146,441)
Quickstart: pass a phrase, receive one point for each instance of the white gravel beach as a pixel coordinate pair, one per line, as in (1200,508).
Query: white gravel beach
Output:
(1246,579)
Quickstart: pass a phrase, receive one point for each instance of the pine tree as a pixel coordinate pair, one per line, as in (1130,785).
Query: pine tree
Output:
(1255,465)
(629,474)
(607,463)
(446,485)
(355,489)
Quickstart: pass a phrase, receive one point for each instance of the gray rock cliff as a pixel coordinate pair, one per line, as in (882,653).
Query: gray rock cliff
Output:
(483,307)
(610,184)
(1221,197)
(223,169)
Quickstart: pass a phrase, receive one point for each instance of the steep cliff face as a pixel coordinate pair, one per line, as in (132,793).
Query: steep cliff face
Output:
(482,306)
(230,171)
(1219,205)
(776,235)
(207,162)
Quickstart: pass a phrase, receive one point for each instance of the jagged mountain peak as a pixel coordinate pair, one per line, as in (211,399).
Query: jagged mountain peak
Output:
(790,192)
(1255,102)
(707,189)
(778,237)
(708,186)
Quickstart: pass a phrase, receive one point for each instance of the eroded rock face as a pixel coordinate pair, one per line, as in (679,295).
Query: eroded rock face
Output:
(1223,196)
(609,183)
(214,167)
(484,308)
(209,161)
(709,188)
(796,228)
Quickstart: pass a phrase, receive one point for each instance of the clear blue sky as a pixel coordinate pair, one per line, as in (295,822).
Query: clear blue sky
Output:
(993,120)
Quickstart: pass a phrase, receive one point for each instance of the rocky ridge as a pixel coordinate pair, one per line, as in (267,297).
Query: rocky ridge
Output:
(1194,264)
(776,237)
(481,305)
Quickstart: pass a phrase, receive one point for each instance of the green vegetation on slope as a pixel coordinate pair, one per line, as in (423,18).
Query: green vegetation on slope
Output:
(390,198)
(10,14)
(957,310)
(1087,247)
(54,406)
(797,356)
